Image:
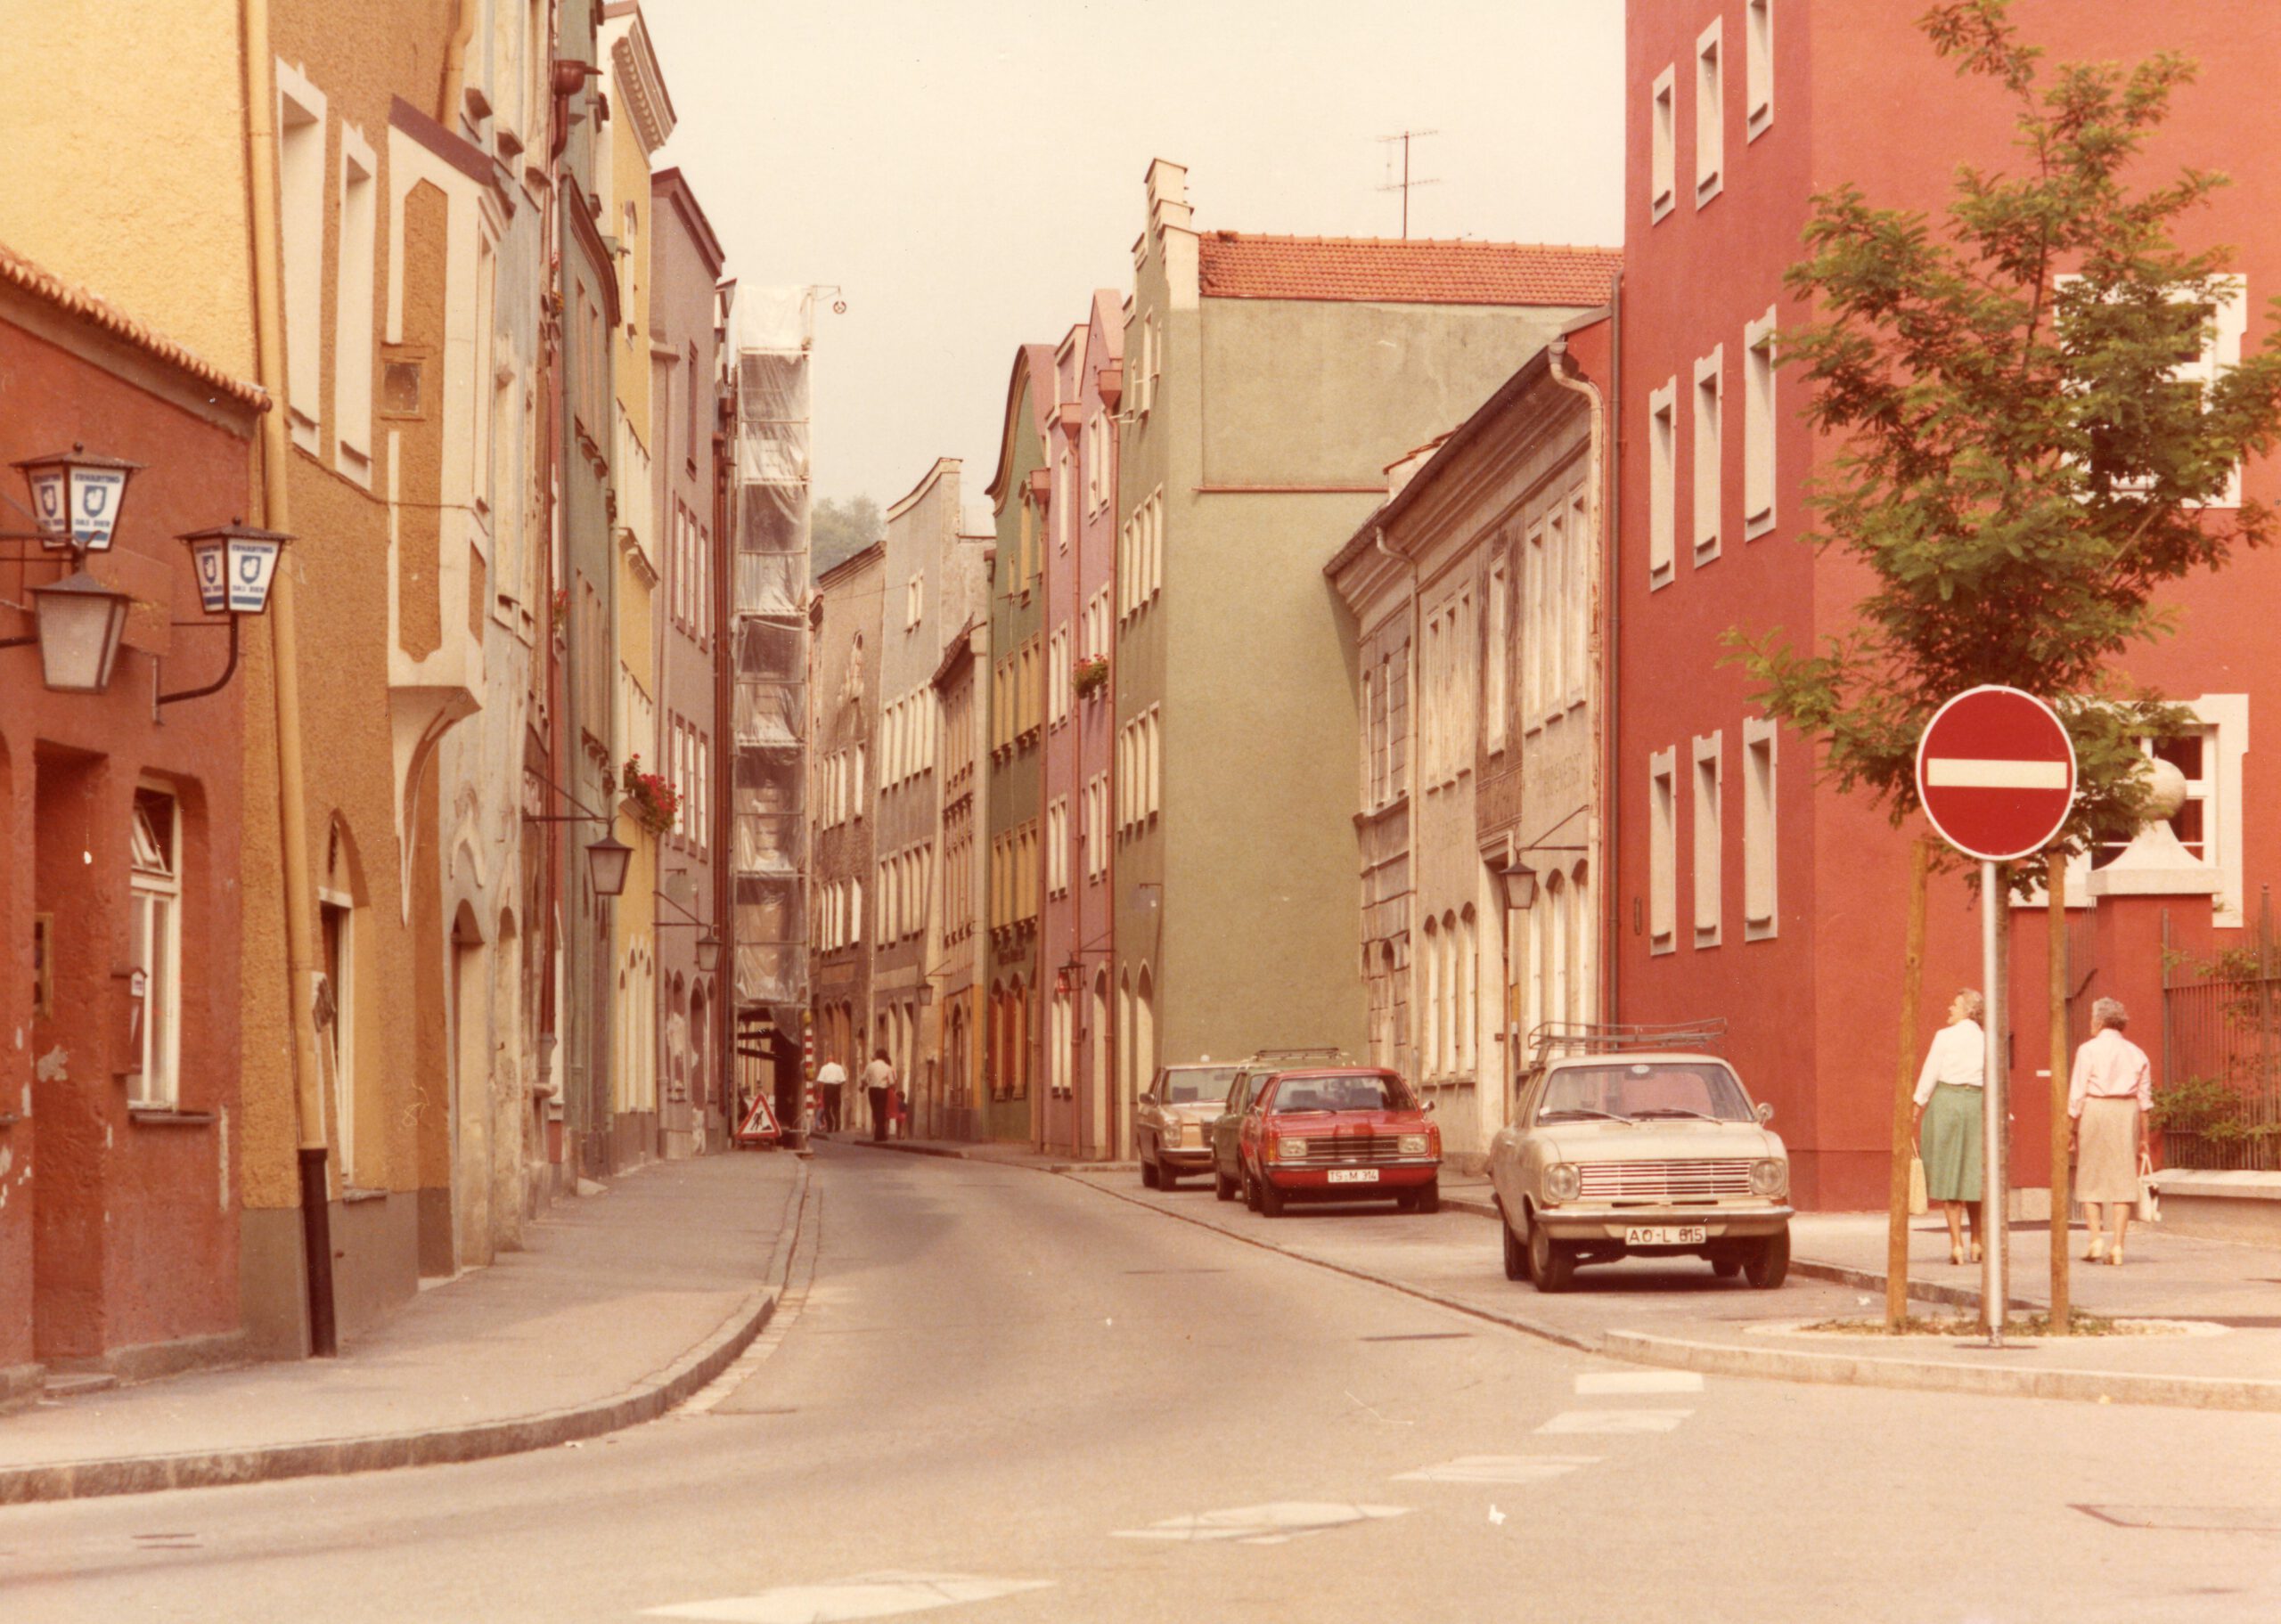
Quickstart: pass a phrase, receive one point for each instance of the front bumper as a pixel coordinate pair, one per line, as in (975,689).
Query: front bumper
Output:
(1606,1223)
(1186,1159)
(1293,1178)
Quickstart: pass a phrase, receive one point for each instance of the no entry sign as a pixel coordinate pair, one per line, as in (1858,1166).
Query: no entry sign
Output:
(1996,773)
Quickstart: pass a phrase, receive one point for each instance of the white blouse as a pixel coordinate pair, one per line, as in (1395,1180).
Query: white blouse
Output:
(1958,1056)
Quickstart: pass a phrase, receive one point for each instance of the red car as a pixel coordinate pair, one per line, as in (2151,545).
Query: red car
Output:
(1338,1133)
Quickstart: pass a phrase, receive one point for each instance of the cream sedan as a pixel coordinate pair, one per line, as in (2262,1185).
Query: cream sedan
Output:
(1614,1155)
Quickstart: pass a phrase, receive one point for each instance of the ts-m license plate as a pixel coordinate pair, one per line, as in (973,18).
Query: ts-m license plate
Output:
(1665,1235)
(1353,1175)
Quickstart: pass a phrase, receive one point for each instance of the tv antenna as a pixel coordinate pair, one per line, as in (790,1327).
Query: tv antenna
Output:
(1404,184)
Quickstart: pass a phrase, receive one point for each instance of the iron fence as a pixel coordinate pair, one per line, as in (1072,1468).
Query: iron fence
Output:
(2219,1096)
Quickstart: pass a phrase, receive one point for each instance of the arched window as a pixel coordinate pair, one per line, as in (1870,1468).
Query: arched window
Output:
(1582,959)
(1469,984)
(1452,1056)
(1144,1031)
(1429,1030)
(1556,948)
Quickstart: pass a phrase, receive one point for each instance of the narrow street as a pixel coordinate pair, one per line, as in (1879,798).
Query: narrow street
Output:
(1030,1381)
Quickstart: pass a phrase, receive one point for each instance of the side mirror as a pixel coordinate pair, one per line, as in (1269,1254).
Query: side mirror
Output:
(1765,1112)
(1431,1104)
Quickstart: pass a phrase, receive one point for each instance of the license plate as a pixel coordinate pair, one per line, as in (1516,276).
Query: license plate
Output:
(1665,1235)
(1353,1175)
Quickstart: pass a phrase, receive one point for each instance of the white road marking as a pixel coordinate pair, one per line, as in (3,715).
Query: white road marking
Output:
(1639,1380)
(1498,1469)
(866,1595)
(1616,1421)
(1276,1523)
(1968,772)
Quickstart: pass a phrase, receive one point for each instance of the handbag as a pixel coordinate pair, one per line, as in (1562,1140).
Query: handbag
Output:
(1919,1205)
(2150,1199)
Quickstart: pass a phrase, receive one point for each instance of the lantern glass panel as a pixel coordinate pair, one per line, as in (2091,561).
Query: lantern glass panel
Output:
(80,623)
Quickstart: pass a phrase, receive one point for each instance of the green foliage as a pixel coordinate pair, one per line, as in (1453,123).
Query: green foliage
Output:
(2021,462)
(839,530)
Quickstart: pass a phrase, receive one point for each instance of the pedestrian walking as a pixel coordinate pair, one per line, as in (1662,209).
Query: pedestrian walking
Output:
(2109,1094)
(878,1079)
(1949,1091)
(831,1082)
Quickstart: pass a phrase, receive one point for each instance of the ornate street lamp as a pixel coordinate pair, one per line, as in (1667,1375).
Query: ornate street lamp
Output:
(708,953)
(607,858)
(236,563)
(1520,886)
(76,497)
(80,622)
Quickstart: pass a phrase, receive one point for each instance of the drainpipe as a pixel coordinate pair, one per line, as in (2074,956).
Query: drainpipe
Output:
(300,902)
(1597,686)
(1409,757)
(447,109)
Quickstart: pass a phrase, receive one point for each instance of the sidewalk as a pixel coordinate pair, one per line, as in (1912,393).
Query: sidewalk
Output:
(621,1305)
(2228,1355)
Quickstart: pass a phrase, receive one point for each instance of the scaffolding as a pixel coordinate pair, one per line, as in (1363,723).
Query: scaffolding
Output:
(768,646)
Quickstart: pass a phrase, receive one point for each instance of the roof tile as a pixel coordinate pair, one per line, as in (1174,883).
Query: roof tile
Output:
(1418,271)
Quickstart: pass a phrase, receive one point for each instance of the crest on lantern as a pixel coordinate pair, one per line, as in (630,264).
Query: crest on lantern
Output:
(236,564)
(76,497)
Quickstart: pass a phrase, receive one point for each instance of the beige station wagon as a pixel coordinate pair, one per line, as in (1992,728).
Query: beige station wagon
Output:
(1619,1146)
(1172,1128)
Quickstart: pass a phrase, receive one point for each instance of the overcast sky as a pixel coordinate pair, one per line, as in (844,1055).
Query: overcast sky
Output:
(968,170)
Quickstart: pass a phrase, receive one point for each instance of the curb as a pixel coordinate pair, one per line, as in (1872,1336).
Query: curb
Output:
(647,1400)
(952,1153)
(1943,1375)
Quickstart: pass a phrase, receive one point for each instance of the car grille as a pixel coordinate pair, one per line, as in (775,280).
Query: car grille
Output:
(1350,1149)
(1662,1181)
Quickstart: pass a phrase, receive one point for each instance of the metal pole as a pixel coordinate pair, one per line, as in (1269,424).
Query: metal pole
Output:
(1992,1107)
(2055,881)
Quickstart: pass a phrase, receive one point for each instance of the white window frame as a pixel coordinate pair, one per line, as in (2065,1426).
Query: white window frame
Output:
(1707,786)
(1663,484)
(1710,452)
(1496,653)
(1662,139)
(1575,595)
(343,1091)
(1663,851)
(355,337)
(1758,69)
(1710,112)
(1760,422)
(1761,768)
(301,190)
(155,897)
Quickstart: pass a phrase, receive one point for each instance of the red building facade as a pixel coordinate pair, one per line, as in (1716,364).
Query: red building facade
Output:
(1745,887)
(120,822)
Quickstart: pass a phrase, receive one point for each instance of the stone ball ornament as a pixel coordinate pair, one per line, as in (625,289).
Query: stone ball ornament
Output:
(2163,790)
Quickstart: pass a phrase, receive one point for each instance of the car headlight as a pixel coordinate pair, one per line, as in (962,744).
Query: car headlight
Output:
(1771,1176)
(1563,1181)
(1413,1145)
(1288,1150)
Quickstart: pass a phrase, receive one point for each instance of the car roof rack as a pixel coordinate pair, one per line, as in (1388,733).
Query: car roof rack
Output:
(1610,1038)
(1333,1053)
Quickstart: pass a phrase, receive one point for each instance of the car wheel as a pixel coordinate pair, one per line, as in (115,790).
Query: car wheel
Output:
(1222,1187)
(1427,1200)
(1771,1263)
(1726,1268)
(1148,1169)
(1166,1179)
(1516,1256)
(1251,1191)
(1551,1264)
(1271,1200)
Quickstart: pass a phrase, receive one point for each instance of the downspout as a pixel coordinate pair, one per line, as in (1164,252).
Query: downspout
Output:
(301,901)
(447,109)
(1410,756)
(1597,686)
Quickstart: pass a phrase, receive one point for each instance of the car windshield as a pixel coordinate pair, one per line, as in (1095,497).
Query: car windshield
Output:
(1194,1086)
(1646,1088)
(1365,1092)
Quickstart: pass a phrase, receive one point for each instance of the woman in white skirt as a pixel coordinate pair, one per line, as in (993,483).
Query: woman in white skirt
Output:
(2109,1095)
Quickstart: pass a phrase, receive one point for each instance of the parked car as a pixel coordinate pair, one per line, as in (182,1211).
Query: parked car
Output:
(1338,1133)
(1172,1125)
(1251,1076)
(1616,1152)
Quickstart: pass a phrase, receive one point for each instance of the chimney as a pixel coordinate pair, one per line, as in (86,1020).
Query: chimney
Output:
(1168,195)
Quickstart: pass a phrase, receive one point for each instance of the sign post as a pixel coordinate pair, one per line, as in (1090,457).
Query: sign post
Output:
(1996,774)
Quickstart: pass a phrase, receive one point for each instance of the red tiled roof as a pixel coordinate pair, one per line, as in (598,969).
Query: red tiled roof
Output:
(1417,271)
(75,300)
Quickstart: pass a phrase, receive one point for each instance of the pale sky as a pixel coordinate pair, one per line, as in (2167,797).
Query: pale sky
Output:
(970,170)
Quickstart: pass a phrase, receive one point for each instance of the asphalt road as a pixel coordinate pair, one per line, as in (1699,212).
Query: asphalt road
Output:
(1016,1398)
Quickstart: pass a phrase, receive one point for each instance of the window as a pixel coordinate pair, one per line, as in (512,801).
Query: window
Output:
(1153,764)
(856,785)
(1531,613)
(1057,846)
(1707,454)
(1758,73)
(154,892)
(1430,1061)
(336,919)
(1584,565)
(2219,349)
(1544,621)
(1495,654)
(1758,426)
(301,197)
(1662,136)
(1065,500)
(1710,115)
(1706,840)
(352,367)
(1662,853)
(1759,920)
(1467,979)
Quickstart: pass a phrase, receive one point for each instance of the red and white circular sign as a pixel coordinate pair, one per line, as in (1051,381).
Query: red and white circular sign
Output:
(1996,773)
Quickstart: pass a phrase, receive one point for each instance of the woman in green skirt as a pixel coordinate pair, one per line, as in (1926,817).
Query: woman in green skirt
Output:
(1949,1091)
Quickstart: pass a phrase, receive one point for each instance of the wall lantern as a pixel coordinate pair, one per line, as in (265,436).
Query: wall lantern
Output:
(76,497)
(708,953)
(1520,886)
(607,858)
(80,622)
(236,563)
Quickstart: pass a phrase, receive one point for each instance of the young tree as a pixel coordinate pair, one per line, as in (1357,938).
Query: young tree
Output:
(2029,449)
